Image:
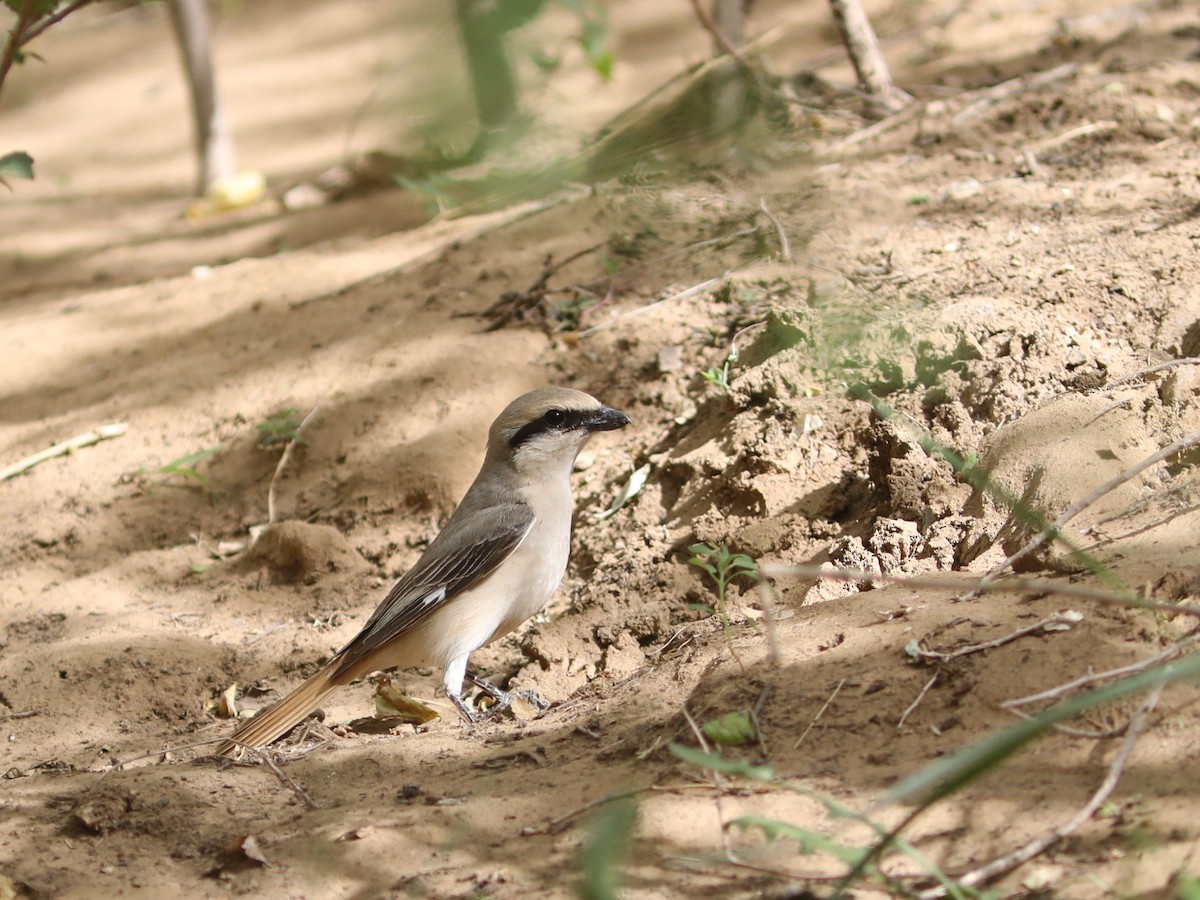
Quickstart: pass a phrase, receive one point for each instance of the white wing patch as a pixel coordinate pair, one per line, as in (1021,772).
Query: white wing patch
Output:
(434,597)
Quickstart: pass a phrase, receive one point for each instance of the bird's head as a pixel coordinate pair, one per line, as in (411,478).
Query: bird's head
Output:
(544,430)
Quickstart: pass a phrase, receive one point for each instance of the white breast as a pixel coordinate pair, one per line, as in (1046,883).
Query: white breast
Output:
(519,588)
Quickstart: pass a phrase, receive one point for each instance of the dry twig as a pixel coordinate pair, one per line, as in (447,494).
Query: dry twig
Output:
(1052,530)
(283,461)
(1074,134)
(103,433)
(1091,678)
(512,304)
(1018,583)
(1039,845)
(1059,621)
(693,291)
(785,247)
(1011,88)
(820,712)
(921,696)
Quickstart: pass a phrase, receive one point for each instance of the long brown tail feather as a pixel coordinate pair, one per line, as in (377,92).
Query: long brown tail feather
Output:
(281,718)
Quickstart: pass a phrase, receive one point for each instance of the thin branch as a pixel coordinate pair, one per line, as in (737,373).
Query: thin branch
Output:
(820,712)
(283,461)
(1150,370)
(61,14)
(1052,530)
(1074,134)
(1004,864)
(1064,620)
(1090,678)
(22,714)
(1011,88)
(693,291)
(863,48)
(87,439)
(921,696)
(25,18)
(559,823)
(1018,583)
(785,247)
(1078,732)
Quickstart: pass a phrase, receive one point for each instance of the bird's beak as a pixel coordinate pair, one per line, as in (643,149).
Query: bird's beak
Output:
(605,419)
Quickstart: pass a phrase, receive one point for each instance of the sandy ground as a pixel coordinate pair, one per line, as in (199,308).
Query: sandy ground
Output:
(991,266)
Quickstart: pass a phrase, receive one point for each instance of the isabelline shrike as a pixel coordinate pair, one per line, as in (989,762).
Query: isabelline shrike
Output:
(496,562)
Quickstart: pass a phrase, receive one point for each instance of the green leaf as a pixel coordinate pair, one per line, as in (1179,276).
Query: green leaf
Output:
(947,775)
(186,465)
(509,15)
(191,459)
(715,763)
(603,856)
(742,561)
(809,841)
(1186,887)
(17,164)
(734,729)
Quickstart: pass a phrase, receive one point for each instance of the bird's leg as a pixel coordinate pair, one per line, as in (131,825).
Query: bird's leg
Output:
(504,698)
(452,681)
(463,709)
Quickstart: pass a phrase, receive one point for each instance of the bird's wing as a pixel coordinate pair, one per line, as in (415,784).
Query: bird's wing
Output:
(460,557)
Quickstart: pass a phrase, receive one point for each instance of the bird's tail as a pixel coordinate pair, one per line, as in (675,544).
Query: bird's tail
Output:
(289,712)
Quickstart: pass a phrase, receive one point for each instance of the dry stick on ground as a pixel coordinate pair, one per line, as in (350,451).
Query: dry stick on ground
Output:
(1074,134)
(1011,88)
(1052,530)
(103,433)
(283,461)
(511,305)
(912,707)
(820,712)
(877,128)
(1004,864)
(119,765)
(1078,732)
(1063,621)
(559,823)
(1012,583)
(1150,370)
(1091,678)
(681,295)
(863,47)
(785,247)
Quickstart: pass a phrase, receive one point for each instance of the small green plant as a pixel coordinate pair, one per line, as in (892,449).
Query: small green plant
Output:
(811,841)
(734,729)
(720,377)
(17,164)
(722,566)
(186,465)
(603,856)
(280,429)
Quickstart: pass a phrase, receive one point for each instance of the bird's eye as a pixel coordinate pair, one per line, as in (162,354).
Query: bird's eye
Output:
(554,417)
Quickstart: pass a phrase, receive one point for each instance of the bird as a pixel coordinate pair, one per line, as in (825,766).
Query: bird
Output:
(497,561)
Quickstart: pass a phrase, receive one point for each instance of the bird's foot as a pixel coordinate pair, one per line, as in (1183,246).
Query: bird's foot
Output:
(504,699)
